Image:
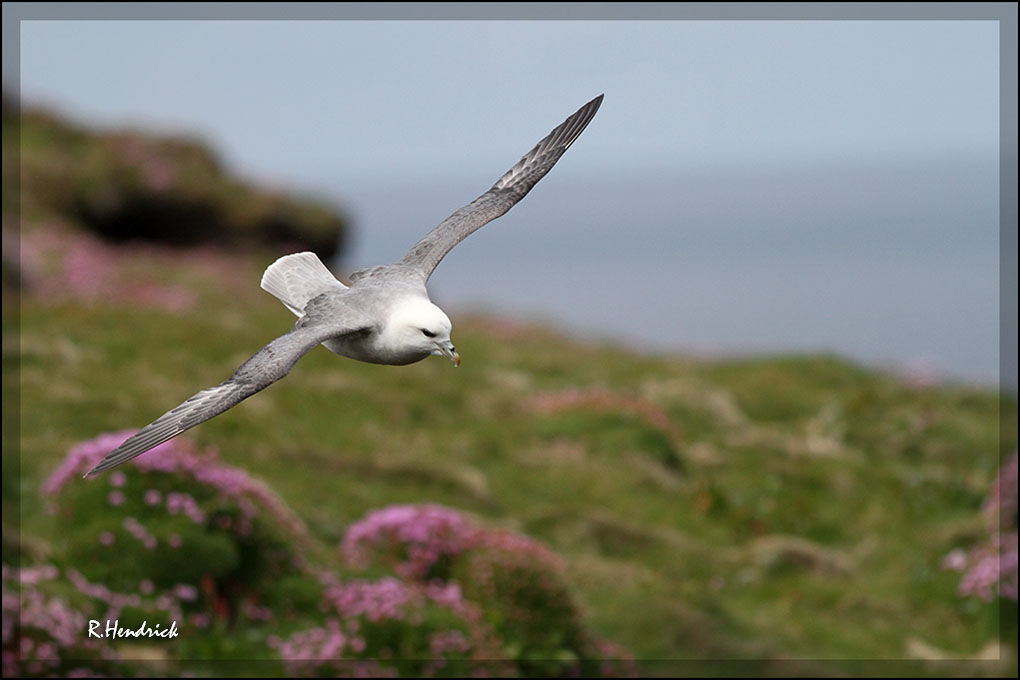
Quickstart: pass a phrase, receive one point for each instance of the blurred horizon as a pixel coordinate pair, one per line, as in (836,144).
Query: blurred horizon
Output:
(747,187)
(912,301)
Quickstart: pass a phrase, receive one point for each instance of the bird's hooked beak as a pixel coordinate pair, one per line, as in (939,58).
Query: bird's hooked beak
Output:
(447,350)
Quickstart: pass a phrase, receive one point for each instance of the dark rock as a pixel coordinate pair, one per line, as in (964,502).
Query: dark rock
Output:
(135,186)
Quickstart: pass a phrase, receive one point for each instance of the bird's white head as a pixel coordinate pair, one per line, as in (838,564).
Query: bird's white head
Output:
(418,327)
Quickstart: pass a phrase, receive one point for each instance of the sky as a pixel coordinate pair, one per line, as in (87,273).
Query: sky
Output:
(700,158)
(307,99)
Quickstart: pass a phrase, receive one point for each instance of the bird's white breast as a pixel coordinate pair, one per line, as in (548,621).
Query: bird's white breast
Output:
(398,339)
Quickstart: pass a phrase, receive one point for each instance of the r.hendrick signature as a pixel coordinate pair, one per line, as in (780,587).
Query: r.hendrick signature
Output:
(114,630)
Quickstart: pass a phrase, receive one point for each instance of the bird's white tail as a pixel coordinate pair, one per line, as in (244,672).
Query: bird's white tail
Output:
(296,279)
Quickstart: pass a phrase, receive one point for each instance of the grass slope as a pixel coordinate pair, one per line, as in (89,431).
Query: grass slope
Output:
(764,509)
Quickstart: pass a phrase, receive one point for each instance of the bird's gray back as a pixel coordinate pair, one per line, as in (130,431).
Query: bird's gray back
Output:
(368,303)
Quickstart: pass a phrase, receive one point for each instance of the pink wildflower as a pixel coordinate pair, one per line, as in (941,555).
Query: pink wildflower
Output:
(992,567)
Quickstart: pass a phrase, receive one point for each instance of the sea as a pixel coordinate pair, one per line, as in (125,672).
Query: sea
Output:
(893,265)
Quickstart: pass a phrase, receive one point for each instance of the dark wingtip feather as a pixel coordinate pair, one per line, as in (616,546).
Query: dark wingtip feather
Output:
(503,195)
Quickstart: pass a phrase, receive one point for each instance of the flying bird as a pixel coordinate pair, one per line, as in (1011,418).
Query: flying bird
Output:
(384,316)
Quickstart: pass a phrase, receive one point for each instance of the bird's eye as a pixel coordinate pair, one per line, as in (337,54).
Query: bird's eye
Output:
(427,333)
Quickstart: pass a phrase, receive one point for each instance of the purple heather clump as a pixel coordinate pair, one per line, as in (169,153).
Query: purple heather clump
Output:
(40,631)
(69,266)
(29,576)
(184,504)
(990,569)
(375,600)
(167,499)
(83,457)
(321,651)
(311,647)
(448,595)
(1001,505)
(168,601)
(32,610)
(359,611)
(177,457)
(97,591)
(426,533)
(420,535)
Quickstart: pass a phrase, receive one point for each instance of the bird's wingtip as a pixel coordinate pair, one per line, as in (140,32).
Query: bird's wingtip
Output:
(98,469)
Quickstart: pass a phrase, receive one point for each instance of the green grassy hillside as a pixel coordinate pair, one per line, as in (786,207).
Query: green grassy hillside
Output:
(767,509)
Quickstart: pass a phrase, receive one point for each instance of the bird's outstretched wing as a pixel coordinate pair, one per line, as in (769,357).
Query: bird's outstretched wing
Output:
(265,367)
(510,188)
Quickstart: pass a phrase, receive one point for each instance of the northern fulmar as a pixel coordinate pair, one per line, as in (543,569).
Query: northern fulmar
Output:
(384,316)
